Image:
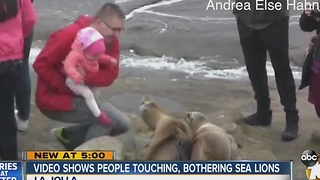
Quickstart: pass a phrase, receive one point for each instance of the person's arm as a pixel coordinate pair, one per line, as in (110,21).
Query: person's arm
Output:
(106,59)
(70,67)
(47,62)
(307,23)
(104,77)
(28,17)
(107,72)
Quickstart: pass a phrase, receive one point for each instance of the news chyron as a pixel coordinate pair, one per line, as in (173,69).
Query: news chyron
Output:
(102,165)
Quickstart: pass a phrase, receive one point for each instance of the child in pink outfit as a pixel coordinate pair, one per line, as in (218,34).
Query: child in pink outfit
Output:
(88,50)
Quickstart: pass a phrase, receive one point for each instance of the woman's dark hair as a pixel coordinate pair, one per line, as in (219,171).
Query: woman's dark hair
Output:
(8,9)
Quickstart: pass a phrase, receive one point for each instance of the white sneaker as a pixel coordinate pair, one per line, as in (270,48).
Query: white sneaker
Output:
(21,125)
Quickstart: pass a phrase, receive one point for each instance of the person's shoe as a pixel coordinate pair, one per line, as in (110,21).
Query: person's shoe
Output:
(22,125)
(292,128)
(259,119)
(58,134)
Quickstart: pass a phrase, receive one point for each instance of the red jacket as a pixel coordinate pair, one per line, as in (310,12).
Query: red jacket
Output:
(51,91)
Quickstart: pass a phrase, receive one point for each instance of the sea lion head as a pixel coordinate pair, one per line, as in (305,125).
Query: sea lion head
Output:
(146,104)
(149,112)
(196,119)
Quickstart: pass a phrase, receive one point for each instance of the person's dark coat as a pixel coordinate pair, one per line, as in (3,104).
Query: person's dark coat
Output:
(310,73)
(309,24)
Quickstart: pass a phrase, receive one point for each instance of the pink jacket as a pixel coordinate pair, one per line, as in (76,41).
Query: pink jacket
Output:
(13,31)
(76,58)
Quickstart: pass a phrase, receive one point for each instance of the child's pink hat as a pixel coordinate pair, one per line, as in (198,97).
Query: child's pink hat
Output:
(91,41)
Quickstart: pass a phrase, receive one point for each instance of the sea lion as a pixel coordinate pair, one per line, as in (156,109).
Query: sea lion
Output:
(210,141)
(172,137)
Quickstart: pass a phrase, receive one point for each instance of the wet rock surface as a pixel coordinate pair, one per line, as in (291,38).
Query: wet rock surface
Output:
(176,28)
(177,98)
(183,30)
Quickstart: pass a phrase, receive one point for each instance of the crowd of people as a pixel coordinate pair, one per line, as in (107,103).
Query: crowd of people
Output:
(82,57)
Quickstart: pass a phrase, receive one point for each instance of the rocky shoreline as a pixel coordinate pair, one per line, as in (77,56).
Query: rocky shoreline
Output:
(182,30)
(223,101)
(175,28)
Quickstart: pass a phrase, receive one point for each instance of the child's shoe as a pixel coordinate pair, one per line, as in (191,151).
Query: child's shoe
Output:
(104,119)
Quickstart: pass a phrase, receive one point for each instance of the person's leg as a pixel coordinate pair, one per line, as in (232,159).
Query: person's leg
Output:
(87,94)
(315,135)
(276,37)
(23,91)
(317,108)
(255,55)
(87,126)
(8,133)
(121,124)
(80,115)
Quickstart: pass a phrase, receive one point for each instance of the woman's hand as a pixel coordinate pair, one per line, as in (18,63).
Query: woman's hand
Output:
(312,40)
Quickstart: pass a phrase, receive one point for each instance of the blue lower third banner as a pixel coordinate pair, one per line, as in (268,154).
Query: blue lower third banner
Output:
(11,170)
(116,170)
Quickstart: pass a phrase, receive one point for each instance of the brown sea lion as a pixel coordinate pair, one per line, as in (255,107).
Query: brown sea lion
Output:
(210,141)
(172,137)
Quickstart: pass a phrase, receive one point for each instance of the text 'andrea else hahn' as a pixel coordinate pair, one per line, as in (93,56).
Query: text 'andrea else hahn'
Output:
(261,5)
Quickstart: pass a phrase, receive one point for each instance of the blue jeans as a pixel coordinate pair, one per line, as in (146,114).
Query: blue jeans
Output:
(23,91)
(9,75)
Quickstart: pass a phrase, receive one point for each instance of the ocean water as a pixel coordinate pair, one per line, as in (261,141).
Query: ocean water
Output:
(198,68)
(205,67)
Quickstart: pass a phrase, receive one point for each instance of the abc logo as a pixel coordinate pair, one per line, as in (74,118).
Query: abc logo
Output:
(309,158)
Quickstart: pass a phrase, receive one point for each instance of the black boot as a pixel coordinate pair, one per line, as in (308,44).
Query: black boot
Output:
(292,127)
(259,119)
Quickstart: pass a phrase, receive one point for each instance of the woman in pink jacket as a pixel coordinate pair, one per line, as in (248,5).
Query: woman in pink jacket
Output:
(17,19)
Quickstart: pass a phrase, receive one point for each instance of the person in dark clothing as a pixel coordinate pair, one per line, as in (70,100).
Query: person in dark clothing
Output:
(309,23)
(259,32)
(23,91)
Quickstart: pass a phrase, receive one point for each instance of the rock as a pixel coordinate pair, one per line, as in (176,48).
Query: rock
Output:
(129,144)
(257,150)
(141,144)
(139,126)
(315,136)
(139,137)
(104,143)
(235,151)
(171,36)
(231,122)
(243,135)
